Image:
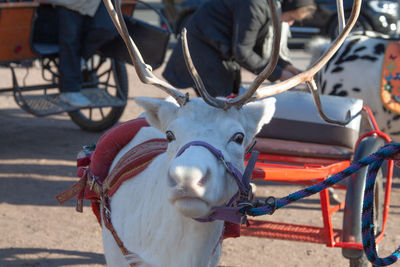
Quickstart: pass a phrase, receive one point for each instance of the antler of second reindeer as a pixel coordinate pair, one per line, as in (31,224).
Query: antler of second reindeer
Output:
(143,70)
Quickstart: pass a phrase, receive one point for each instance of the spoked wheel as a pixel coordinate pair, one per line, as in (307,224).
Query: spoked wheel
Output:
(109,76)
(354,199)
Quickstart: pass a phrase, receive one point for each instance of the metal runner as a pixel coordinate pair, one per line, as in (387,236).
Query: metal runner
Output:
(49,104)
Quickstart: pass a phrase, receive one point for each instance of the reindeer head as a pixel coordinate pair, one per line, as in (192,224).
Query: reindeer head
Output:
(197,179)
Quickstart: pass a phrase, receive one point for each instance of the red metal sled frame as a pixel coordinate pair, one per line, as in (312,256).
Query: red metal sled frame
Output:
(305,170)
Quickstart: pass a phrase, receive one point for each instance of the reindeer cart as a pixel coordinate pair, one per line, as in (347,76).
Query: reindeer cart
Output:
(290,153)
(28,37)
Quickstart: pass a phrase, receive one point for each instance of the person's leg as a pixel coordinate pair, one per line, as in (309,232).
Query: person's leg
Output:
(70,40)
(70,37)
(97,31)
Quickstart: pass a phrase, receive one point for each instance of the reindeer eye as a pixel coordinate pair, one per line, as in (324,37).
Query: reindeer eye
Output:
(238,138)
(170,136)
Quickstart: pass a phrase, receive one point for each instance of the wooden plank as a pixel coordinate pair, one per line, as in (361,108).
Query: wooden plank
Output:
(15,33)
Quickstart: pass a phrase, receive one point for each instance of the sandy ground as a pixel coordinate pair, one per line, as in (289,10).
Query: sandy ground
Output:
(37,161)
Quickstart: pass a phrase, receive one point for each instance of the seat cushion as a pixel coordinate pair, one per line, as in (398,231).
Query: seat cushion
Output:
(302,149)
(296,118)
(44,49)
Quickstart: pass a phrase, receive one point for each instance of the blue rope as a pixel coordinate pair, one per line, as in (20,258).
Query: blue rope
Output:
(375,161)
(367,225)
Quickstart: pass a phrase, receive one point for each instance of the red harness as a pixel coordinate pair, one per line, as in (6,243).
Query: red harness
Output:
(94,167)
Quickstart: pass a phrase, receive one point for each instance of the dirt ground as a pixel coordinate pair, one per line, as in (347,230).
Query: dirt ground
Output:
(37,161)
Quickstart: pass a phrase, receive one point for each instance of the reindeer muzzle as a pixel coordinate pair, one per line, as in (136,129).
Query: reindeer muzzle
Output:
(230,212)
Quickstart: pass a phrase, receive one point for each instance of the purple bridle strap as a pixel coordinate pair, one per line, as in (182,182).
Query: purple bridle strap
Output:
(227,213)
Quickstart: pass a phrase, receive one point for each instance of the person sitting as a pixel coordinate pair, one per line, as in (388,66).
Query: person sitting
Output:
(227,35)
(83,27)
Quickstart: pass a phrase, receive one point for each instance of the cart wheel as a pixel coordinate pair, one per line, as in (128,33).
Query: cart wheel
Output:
(379,200)
(359,262)
(354,199)
(362,261)
(107,74)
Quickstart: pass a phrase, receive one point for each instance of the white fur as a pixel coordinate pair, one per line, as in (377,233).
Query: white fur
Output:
(361,78)
(153,212)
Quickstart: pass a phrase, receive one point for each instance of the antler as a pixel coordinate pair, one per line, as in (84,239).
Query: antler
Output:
(143,70)
(219,103)
(146,76)
(248,95)
(307,76)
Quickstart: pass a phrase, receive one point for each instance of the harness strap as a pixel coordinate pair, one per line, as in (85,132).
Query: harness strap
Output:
(88,181)
(133,162)
(92,188)
(218,154)
(230,212)
(132,258)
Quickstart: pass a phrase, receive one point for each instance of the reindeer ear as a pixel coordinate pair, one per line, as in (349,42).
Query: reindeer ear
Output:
(158,112)
(258,113)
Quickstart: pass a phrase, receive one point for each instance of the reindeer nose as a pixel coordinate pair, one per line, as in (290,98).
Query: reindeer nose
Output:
(188,176)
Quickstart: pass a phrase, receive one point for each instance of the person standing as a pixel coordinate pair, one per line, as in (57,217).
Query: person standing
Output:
(227,35)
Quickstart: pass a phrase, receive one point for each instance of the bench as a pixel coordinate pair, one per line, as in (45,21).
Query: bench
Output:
(296,128)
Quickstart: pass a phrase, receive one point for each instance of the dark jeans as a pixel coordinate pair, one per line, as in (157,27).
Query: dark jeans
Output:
(79,37)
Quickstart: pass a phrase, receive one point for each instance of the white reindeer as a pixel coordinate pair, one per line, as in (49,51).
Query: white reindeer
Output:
(355,71)
(155,214)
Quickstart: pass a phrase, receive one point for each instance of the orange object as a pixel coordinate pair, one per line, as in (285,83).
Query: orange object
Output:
(390,81)
(15,30)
